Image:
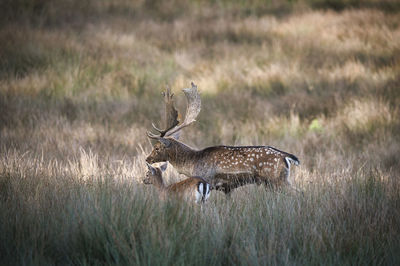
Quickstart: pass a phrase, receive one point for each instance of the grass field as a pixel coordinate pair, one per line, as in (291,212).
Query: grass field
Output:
(80,84)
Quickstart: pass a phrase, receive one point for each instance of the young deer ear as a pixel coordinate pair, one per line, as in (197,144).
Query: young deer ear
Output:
(165,141)
(151,169)
(163,167)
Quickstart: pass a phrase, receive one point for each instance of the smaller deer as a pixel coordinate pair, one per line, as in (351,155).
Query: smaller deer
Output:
(190,188)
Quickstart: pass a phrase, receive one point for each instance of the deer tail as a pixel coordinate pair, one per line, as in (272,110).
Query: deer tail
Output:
(204,191)
(290,158)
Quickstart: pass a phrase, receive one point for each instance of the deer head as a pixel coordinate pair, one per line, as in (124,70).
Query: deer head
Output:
(154,175)
(160,152)
(167,143)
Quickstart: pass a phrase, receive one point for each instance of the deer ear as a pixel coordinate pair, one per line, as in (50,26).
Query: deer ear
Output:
(151,168)
(163,167)
(165,141)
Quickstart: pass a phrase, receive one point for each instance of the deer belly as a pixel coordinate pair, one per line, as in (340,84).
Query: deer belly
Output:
(235,178)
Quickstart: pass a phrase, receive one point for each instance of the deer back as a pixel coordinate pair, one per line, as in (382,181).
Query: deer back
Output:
(245,164)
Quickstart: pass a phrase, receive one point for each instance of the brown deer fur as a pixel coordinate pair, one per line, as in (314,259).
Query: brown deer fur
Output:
(190,188)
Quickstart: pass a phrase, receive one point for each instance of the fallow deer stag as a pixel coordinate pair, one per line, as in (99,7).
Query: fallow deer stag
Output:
(224,167)
(190,188)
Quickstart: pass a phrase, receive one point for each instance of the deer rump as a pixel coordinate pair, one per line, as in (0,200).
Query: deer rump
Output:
(184,189)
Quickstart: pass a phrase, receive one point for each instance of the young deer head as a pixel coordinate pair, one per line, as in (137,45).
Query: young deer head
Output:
(224,167)
(154,175)
(191,188)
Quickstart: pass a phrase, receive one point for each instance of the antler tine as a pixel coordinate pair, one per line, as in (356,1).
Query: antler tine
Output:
(152,136)
(162,132)
(192,110)
(156,128)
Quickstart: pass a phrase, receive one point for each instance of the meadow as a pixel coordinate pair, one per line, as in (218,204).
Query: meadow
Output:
(81,82)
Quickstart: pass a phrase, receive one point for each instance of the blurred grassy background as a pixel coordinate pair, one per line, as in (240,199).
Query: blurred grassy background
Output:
(80,84)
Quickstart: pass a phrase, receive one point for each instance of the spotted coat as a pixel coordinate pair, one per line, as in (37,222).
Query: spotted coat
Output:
(227,167)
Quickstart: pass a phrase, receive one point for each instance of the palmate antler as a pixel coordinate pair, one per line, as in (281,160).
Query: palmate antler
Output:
(172,124)
(171,114)
(192,110)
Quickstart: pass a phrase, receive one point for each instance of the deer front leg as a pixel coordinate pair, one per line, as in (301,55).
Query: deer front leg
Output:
(225,188)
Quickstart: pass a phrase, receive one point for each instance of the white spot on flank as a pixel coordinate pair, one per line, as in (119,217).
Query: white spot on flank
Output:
(260,164)
(251,159)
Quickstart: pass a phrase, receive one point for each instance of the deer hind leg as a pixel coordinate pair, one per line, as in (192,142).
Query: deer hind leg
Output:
(272,179)
(279,180)
(284,177)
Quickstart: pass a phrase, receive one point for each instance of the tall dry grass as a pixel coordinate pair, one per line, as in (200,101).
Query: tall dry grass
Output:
(80,84)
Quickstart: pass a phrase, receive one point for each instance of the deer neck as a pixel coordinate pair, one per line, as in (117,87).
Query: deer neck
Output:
(159,183)
(182,157)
